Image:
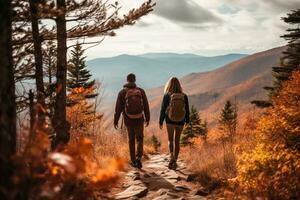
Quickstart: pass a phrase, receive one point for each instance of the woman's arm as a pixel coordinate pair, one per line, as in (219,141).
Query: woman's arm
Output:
(187,109)
(163,109)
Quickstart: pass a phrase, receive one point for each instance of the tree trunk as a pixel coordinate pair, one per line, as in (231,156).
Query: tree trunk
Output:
(38,57)
(32,116)
(60,122)
(7,96)
(51,99)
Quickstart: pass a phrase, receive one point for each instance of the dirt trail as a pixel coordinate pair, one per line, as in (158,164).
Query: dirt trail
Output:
(156,182)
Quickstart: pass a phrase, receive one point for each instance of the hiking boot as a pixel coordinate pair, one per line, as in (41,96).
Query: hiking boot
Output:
(170,165)
(133,164)
(174,165)
(138,163)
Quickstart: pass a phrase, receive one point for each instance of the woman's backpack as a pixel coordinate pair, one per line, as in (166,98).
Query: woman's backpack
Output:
(134,107)
(176,109)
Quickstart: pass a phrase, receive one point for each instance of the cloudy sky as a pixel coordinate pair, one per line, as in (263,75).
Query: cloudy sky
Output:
(205,27)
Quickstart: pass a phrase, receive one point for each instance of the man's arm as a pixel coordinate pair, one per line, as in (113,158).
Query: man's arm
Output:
(146,106)
(119,108)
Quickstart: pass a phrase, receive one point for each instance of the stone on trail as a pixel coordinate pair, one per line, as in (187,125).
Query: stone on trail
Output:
(133,191)
(181,188)
(168,195)
(132,174)
(161,192)
(201,192)
(156,182)
(156,166)
(136,178)
(171,175)
(132,182)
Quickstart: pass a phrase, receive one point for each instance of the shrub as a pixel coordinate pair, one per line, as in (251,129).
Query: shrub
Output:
(71,174)
(272,169)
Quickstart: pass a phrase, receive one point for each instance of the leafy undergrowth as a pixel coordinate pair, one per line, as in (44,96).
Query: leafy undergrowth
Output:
(272,168)
(206,162)
(266,154)
(73,173)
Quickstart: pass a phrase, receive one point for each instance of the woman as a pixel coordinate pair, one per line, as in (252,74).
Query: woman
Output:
(175,111)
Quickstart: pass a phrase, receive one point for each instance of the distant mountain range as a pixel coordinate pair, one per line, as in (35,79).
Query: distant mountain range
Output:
(241,81)
(152,69)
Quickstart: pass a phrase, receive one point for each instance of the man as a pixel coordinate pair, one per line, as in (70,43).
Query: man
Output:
(133,104)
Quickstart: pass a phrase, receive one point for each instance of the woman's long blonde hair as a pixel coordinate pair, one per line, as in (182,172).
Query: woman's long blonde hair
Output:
(173,86)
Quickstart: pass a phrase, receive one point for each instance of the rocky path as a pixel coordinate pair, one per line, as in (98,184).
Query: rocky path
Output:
(156,182)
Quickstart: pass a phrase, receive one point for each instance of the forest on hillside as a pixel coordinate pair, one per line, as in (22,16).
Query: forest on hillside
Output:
(53,144)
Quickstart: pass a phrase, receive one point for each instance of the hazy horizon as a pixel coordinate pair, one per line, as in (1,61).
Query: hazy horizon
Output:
(178,53)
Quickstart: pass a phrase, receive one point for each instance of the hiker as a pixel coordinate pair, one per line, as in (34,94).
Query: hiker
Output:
(175,111)
(132,103)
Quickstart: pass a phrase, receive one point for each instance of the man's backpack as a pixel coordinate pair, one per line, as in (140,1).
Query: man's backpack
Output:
(176,109)
(134,107)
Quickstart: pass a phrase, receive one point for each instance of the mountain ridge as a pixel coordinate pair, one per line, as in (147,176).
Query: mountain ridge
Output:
(242,81)
(168,54)
(152,70)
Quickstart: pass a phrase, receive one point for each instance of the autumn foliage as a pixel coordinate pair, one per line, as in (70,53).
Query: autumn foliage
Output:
(73,173)
(272,168)
(81,113)
(267,148)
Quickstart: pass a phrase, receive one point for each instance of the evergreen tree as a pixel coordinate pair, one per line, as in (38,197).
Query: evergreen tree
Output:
(78,75)
(74,20)
(227,126)
(205,130)
(196,128)
(81,88)
(49,62)
(289,62)
(228,121)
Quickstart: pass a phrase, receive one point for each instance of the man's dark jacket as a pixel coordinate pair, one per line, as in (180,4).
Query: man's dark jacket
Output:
(120,107)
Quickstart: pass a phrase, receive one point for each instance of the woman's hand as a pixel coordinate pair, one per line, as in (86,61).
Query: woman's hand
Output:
(116,126)
(161,127)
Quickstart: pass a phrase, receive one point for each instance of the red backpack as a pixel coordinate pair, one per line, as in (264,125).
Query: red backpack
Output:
(134,107)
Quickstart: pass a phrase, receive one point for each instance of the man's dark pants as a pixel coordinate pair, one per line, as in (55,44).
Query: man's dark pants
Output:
(136,133)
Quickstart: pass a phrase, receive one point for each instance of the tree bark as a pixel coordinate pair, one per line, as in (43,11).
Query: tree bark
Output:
(7,96)
(38,57)
(60,122)
(32,116)
(51,99)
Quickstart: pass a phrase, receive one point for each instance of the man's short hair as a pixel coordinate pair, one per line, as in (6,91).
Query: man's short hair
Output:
(131,78)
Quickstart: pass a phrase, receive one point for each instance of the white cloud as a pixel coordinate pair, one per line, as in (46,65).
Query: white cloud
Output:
(185,12)
(247,27)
